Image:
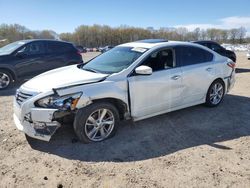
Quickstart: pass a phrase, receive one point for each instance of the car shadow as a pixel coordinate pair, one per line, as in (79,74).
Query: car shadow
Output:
(241,70)
(158,136)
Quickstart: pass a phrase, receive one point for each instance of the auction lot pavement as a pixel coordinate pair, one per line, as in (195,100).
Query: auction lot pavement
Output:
(193,147)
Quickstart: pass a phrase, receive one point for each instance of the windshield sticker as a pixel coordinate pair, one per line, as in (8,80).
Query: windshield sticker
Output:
(21,42)
(139,49)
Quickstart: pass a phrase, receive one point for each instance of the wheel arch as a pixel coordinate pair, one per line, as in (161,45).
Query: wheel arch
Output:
(12,73)
(118,103)
(220,79)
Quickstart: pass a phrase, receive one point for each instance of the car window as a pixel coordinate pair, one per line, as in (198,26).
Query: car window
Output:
(189,55)
(160,60)
(34,48)
(115,60)
(58,47)
(215,47)
(206,44)
(203,44)
(11,47)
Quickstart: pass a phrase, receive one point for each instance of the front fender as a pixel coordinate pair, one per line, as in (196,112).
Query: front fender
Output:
(98,90)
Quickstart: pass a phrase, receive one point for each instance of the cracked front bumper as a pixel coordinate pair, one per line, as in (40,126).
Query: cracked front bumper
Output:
(35,122)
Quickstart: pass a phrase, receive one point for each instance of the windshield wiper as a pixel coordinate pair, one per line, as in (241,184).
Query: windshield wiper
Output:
(91,70)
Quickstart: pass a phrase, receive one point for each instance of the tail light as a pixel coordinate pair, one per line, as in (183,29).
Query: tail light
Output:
(231,64)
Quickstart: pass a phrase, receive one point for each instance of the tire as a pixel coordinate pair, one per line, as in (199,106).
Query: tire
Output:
(6,79)
(215,93)
(89,125)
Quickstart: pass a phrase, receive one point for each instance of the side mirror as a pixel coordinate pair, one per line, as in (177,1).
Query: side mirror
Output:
(143,70)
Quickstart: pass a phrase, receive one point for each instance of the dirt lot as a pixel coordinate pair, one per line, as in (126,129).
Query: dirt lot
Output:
(194,147)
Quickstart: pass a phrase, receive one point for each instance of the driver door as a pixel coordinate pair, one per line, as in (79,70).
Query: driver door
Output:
(159,92)
(32,60)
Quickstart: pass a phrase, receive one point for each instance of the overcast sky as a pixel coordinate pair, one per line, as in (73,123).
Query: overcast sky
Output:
(66,15)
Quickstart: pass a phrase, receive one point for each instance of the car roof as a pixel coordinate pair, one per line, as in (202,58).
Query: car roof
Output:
(149,45)
(152,41)
(205,41)
(52,40)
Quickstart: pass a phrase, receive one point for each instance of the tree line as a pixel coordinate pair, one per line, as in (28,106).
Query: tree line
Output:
(14,32)
(102,35)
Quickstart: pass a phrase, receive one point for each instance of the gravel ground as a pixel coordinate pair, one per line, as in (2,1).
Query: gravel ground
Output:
(193,147)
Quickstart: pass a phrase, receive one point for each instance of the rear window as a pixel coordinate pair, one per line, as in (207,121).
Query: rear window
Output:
(59,47)
(205,44)
(189,55)
(215,47)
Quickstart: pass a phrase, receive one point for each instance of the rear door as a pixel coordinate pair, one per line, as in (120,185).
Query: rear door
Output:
(197,72)
(160,91)
(57,55)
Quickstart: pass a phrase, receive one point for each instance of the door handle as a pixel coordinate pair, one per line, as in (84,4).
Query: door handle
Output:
(209,69)
(176,77)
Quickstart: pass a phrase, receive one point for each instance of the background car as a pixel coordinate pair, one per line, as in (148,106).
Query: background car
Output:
(106,48)
(218,48)
(27,58)
(248,55)
(81,49)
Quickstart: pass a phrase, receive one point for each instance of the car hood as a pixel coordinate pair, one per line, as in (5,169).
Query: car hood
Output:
(62,77)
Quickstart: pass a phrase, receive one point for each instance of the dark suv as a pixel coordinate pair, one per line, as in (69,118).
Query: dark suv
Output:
(27,58)
(218,48)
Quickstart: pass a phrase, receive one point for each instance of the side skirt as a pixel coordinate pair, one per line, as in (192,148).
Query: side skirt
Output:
(169,110)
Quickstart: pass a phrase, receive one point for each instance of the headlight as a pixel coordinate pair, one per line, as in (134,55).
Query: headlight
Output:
(67,102)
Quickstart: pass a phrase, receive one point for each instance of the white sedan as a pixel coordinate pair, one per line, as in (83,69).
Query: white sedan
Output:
(135,81)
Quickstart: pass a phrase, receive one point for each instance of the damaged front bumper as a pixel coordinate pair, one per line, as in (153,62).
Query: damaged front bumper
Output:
(37,123)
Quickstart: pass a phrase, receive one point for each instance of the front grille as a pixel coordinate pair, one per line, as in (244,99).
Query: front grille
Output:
(21,97)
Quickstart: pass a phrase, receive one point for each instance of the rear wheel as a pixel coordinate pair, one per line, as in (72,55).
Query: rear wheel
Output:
(215,93)
(96,122)
(5,79)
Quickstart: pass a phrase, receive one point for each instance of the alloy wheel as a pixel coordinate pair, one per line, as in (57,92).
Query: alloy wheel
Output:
(216,93)
(4,80)
(99,124)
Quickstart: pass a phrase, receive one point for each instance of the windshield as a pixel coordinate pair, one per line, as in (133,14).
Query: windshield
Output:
(11,47)
(114,60)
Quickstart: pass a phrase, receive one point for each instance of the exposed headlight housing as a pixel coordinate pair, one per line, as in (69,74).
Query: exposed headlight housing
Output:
(66,102)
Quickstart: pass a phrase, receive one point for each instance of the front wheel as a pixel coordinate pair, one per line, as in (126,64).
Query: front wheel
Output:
(96,122)
(215,93)
(5,79)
